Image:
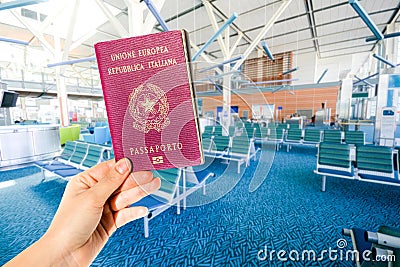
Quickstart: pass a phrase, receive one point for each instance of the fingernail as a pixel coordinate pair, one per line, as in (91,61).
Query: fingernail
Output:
(131,164)
(122,166)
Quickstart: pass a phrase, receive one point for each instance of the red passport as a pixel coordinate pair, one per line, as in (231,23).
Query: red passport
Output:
(150,100)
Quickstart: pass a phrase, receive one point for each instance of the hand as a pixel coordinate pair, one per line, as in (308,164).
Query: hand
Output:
(95,203)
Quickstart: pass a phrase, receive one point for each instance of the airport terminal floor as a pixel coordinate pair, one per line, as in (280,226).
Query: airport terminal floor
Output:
(286,212)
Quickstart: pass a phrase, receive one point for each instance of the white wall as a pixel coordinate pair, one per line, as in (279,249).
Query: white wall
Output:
(306,64)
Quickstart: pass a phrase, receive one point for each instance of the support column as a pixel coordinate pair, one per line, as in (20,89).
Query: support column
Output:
(135,16)
(226,109)
(344,105)
(391,45)
(24,114)
(381,101)
(62,97)
(227,85)
(61,86)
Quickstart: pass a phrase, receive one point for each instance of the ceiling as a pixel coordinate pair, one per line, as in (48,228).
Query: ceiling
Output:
(331,28)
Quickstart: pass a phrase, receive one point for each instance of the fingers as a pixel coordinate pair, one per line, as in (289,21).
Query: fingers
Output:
(110,181)
(127,197)
(101,169)
(124,216)
(135,179)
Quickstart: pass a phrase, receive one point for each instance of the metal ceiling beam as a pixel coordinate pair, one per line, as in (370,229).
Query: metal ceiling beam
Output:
(317,26)
(19,3)
(14,41)
(211,16)
(235,27)
(266,28)
(215,35)
(135,17)
(113,20)
(150,21)
(50,19)
(35,32)
(366,18)
(156,14)
(387,62)
(71,27)
(354,17)
(385,36)
(322,75)
(83,39)
(267,50)
(392,19)
(236,44)
(203,55)
(311,21)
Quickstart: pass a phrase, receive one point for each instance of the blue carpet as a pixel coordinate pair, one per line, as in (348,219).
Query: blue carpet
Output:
(287,212)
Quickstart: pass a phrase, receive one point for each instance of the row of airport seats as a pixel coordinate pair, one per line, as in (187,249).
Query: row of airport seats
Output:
(101,135)
(76,157)
(236,148)
(366,163)
(380,248)
(315,136)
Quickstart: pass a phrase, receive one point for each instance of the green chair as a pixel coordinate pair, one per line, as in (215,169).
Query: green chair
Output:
(334,160)
(65,135)
(261,134)
(220,146)
(94,156)
(62,159)
(79,154)
(248,130)
(232,131)
(276,134)
(332,136)
(75,131)
(217,130)
(242,150)
(376,164)
(208,129)
(206,140)
(293,136)
(354,137)
(312,136)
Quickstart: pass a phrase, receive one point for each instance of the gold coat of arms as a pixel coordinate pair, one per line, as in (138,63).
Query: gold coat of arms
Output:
(149,108)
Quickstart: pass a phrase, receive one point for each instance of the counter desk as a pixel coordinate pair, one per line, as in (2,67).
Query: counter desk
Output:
(27,143)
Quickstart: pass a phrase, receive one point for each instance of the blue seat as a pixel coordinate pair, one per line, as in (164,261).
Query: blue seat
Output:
(108,135)
(193,179)
(167,196)
(88,137)
(100,135)
(71,167)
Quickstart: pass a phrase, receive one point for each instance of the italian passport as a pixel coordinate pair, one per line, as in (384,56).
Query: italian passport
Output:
(150,100)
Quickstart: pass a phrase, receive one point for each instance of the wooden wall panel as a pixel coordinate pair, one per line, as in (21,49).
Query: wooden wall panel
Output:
(301,100)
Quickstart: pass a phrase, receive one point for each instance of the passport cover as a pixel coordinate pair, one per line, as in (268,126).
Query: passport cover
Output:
(150,100)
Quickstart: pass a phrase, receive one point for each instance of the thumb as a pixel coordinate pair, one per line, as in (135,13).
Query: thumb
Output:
(111,181)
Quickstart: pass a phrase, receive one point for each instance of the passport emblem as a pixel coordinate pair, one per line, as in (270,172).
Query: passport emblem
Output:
(149,108)
(157,160)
